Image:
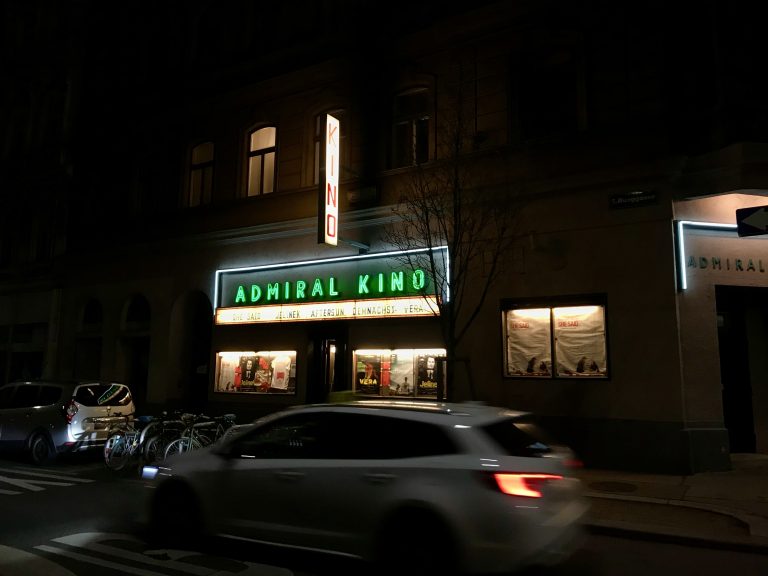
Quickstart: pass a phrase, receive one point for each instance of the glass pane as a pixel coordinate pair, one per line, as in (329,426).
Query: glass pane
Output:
(412,104)
(202,153)
(529,342)
(399,372)
(580,348)
(269,173)
(254,176)
(402,145)
(422,140)
(265,372)
(195,183)
(207,185)
(264,138)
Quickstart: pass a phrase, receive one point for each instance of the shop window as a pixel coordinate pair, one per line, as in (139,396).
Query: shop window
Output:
(562,342)
(261,161)
(266,372)
(411,128)
(402,372)
(201,175)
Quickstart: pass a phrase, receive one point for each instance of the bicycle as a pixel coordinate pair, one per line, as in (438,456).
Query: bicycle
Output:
(123,444)
(161,432)
(194,435)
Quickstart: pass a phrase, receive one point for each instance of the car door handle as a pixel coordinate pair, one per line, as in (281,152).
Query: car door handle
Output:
(289,475)
(379,477)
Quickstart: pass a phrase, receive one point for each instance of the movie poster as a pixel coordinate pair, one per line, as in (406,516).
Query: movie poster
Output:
(529,342)
(368,374)
(225,379)
(401,373)
(430,375)
(580,341)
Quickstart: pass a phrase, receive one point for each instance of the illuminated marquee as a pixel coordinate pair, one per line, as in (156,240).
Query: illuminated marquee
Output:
(386,285)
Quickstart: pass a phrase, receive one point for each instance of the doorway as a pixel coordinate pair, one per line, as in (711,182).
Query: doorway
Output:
(742,331)
(329,367)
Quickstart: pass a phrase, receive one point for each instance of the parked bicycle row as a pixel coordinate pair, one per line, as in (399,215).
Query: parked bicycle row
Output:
(148,439)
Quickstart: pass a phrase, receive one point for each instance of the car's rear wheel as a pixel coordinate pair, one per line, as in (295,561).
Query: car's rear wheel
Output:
(40,449)
(417,542)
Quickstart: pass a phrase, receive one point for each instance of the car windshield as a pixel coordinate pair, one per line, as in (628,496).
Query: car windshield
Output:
(103,395)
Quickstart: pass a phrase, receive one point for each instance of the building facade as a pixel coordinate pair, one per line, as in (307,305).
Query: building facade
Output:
(629,314)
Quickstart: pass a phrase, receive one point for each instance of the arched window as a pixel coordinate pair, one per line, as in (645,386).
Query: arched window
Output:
(262,154)
(201,175)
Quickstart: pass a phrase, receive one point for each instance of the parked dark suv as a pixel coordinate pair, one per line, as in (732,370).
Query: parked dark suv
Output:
(45,418)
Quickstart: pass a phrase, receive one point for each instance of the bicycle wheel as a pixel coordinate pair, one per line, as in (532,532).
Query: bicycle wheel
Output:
(154,448)
(116,451)
(181,445)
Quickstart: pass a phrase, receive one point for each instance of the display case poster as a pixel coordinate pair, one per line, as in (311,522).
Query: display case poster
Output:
(225,379)
(528,342)
(368,374)
(401,374)
(257,373)
(580,341)
(430,373)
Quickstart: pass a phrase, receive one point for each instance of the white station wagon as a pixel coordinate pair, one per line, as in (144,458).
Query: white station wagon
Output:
(412,487)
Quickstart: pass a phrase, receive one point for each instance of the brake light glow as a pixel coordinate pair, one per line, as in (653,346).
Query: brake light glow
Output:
(520,484)
(70,411)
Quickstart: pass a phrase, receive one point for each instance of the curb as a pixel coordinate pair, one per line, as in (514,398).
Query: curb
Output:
(677,532)
(654,534)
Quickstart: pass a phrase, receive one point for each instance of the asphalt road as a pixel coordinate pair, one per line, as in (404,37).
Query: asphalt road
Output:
(77,518)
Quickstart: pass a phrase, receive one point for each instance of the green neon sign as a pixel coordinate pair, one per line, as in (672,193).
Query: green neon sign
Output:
(350,278)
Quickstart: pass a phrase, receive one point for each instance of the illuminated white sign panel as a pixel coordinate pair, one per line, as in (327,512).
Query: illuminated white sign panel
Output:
(329,232)
(382,308)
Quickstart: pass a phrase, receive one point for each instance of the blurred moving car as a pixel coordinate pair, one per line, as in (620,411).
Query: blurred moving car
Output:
(44,418)
(413,487)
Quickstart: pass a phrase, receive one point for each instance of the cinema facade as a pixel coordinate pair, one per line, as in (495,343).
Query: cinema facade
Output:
(664,300)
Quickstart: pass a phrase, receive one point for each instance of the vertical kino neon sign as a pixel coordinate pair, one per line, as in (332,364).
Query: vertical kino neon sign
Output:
(328,216)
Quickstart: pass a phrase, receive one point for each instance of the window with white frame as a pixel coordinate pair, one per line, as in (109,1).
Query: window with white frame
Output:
(201,175)
(411,128)
(555,341)
(262,154)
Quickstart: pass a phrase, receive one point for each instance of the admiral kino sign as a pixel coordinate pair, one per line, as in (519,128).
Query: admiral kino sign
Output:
(367,286)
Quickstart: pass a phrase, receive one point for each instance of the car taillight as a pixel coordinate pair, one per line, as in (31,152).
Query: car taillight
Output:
(70,411)
(522,484)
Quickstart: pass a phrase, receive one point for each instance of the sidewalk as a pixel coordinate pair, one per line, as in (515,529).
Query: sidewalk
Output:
(724,509)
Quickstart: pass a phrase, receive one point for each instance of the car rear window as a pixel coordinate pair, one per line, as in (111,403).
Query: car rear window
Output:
(519,437)
(103,395)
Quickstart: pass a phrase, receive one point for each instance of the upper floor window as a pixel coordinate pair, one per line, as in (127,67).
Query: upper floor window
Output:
(318,143)
(411,127)
(201,175)
(261,161)
(551,91)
